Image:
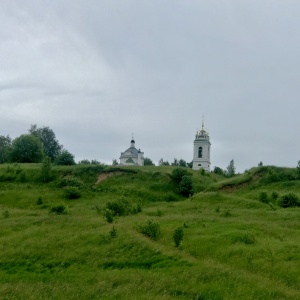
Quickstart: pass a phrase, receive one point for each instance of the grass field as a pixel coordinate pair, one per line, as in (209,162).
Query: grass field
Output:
(234,246)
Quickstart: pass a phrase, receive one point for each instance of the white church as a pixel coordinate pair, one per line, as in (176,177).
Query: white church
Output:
(132,156)
(201,156)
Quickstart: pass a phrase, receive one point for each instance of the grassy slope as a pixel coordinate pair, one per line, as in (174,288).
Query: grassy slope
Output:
(234,247)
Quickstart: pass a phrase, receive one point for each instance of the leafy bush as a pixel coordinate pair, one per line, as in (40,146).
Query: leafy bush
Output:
(263,197)
(119,207)
(72,192)
(150,229)
(122,207)
(289,200)
(178,174)
(185,185)
(58,209)
(183,178)
(178,236)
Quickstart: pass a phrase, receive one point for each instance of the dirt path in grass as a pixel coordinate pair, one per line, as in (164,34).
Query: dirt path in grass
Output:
(104,176)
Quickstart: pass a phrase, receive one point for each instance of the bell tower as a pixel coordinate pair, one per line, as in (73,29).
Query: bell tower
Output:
(201,157)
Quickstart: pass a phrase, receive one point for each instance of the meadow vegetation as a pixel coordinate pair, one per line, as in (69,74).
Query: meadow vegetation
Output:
(108,232)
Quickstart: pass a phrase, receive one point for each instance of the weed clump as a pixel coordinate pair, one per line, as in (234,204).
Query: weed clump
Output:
(39,201)
(178,236)
(245,238)
(58,209)
(70,181)
(109,215)
(5,214)
(263,197)
(274,195)
(150,229)
(113,232)
(289,200)
(226,213)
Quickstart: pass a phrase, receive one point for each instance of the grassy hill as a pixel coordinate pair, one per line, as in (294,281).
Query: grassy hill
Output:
(99,232)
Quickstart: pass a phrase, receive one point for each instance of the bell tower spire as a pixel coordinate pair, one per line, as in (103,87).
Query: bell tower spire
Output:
(201,157)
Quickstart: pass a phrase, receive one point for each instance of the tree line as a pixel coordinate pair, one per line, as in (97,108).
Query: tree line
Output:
(33,147)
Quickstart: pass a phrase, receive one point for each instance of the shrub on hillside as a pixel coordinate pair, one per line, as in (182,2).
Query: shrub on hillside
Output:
(263,197)
(186,185)
(275,174)
(289,200)
(150,229)
(72,192)
(178,173)
(122,207)
(119,207)
(183,178)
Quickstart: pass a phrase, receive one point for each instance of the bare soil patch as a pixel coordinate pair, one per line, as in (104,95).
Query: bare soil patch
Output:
(104,176)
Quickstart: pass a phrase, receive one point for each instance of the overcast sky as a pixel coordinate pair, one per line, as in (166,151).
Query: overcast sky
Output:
(96,71)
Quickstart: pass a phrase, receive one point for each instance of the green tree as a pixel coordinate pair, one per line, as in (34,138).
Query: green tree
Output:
(175,162)
(298,170)
(65,158)
(148,162)
(161,162)
(182,163)
(46,135)
(26,149)
(95,162)
(231,169)
(189,164)
(84,162)
(115,162)
(5,146)
(219,171)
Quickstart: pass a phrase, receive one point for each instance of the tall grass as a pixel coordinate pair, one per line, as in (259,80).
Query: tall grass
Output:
(233,246)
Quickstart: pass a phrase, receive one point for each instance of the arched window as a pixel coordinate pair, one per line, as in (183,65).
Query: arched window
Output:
(200,152)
